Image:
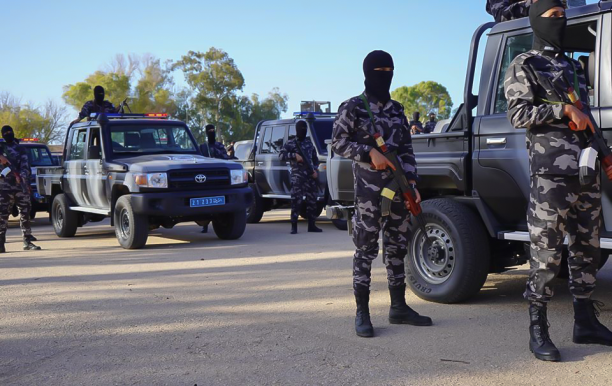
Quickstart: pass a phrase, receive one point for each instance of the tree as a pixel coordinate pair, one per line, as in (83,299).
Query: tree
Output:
(116,87)
(425,97)
(215,80)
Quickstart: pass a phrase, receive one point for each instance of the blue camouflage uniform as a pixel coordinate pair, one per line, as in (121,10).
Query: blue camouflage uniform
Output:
(92,107)
(14,193)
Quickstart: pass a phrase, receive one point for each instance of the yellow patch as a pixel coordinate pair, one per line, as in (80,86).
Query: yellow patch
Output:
(388,193)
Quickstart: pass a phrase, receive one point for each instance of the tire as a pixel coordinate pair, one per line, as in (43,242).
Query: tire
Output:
(341,224)
(463,254)
(65,221)
(564,268)
(256,211)
(230,226)
(131,229)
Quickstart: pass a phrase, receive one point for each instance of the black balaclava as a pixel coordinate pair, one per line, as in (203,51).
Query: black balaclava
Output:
(301,130)
(378,83)
(416,116)
(99,94)
(432,117)
(210,134)
(8,134)
(548,32)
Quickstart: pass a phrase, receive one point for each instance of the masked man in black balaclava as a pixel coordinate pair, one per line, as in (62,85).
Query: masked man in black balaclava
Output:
(97,105)
(416,127)
(537,86)
(15,188)
(359,119)
(300,151)
(431,124)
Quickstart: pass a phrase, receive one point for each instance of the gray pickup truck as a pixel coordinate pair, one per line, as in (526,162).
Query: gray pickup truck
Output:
(474,175)
(143,171)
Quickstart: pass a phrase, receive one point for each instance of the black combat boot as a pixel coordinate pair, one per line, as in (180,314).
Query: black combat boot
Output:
(539,343)
(587,329)
(363,325)
(400,313)
(312,227)
(28,245)
(293,227)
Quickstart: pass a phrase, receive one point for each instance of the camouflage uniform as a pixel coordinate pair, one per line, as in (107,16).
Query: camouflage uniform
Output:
(217,150)
(558,204)
(417,124)
(92,107)
(350,141)
(303,187)
(429,127)
(504,10)
(12,193)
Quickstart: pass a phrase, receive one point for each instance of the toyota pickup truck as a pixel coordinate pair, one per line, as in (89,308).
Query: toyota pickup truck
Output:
(475,173)
(143,171)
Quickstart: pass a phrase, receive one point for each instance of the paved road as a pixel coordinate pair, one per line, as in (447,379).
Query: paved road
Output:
(269,309)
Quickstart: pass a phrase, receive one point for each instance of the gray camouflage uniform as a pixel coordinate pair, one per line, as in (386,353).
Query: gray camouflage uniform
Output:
(92,107)
(504,10)
(350,141)
(13,193)
(558,204)
(303,187)
(429,127)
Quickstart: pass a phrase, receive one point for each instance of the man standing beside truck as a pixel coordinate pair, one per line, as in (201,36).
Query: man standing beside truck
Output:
(300,151)
(355,127)
(15,188)
(558,204)
(431,124)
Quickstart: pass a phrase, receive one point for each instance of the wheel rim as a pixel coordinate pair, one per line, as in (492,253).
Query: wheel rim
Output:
(59,217)
(124,224)
(435,263)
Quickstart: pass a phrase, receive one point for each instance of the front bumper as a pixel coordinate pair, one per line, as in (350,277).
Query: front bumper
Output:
(176,204)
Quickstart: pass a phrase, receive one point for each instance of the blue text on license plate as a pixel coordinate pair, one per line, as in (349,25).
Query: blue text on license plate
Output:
(206,201)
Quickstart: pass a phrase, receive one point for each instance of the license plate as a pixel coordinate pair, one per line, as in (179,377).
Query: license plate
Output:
(206,201)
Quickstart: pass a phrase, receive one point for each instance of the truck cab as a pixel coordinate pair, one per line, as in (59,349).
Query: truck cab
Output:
(475,172)
(143,171)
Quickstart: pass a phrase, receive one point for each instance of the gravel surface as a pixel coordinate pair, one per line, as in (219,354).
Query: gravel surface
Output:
(268,309)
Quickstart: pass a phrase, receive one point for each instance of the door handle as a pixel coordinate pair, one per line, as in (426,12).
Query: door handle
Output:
(496,141)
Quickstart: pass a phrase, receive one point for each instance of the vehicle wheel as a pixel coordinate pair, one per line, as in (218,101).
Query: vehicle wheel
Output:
(341,224)
(64,220)
(131,229)
(256,210)
(456,265)
(230,226)
(564,268)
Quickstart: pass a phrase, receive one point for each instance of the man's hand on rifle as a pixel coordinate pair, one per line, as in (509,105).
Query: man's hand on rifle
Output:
(417,197)
(379,161)
(608,171)
(4,161)
(315,175)
(579,119)
(299,158)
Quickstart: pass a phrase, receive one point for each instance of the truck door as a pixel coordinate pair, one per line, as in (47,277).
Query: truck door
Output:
(95,177)
(74,184)
(269,169)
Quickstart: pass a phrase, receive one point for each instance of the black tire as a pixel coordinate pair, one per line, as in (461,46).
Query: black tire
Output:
(230,226)
(256,211)
(564,268)
(341,224)
(458,268)
(65,221)
(131,229)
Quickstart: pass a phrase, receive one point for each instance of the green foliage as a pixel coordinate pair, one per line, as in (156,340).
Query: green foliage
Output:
(425,97)
(116,87)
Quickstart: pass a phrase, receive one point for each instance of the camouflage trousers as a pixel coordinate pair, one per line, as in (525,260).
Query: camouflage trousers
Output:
(303,191)
(559,206)
(367,224)
(9,196)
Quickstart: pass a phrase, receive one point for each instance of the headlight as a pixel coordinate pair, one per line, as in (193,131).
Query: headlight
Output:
(238,176)
(151,180)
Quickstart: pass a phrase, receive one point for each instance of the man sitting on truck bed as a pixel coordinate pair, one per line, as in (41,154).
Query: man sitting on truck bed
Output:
(97,105)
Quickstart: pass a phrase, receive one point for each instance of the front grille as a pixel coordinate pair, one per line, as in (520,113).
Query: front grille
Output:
(186,179)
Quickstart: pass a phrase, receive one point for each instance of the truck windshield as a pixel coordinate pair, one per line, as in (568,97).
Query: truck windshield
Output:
(322,132)
(151,139)
(39,156)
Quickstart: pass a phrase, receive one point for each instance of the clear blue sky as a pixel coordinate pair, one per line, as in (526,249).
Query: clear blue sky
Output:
(309,49)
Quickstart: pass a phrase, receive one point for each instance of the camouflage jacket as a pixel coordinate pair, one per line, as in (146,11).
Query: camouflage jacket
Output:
(534,104)
(217,150)
(353,138)
(92,107)
(418,124)
(504,10)
(429,127)
(20,163)
(289,151)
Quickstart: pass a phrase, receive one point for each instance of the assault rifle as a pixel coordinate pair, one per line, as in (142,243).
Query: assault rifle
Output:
(307,160)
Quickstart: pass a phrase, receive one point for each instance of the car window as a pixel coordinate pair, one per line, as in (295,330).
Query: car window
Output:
(147,139)
(77,145)
(242,150)
(515,45)
(39,156)
(265,142)
(273,140)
